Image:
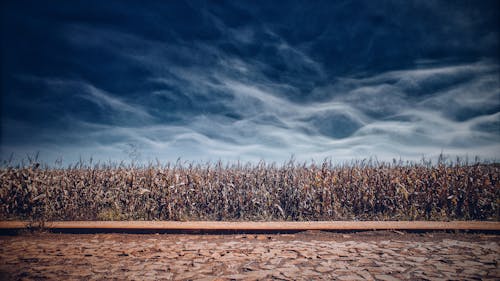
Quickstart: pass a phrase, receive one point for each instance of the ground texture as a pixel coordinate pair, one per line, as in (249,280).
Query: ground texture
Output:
(301,256)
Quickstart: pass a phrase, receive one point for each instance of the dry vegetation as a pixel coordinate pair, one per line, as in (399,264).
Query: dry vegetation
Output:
(361,191)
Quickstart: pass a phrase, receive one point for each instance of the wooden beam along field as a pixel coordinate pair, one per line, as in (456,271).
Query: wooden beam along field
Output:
(258,226)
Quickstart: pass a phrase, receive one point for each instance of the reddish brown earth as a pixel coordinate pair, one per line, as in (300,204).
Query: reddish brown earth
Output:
(262,225)
(310,255)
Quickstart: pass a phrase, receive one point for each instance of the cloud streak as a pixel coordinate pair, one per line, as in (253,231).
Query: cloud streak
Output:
(254,92)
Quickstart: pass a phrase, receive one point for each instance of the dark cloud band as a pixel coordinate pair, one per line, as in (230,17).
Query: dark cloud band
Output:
(193,80)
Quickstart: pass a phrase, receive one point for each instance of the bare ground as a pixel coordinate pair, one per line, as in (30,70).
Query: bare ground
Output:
(309,255)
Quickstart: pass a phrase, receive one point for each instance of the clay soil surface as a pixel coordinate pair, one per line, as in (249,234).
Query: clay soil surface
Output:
(309,255)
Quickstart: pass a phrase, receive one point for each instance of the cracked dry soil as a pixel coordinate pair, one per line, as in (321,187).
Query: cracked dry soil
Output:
(301,256)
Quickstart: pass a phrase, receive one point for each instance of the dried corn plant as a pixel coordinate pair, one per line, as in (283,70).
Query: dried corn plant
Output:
(213,191)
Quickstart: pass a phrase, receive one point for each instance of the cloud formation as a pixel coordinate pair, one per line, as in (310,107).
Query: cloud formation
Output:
(252,90)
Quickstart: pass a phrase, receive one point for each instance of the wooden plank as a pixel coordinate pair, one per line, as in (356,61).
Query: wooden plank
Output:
(262,226)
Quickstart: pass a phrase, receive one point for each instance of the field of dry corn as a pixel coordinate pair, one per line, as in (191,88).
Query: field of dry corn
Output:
(213,191)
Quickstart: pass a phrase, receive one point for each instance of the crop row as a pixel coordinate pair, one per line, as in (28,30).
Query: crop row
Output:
(253,192)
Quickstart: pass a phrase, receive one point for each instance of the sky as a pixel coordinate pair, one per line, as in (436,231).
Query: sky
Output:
(249,80)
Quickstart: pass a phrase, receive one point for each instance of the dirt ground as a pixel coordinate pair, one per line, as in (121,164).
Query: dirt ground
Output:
(309,255)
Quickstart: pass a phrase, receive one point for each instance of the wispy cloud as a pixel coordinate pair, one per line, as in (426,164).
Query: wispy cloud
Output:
(251,94)
(108,101)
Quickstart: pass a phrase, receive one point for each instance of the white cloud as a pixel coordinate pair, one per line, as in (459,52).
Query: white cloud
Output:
(107,100)
(390,120)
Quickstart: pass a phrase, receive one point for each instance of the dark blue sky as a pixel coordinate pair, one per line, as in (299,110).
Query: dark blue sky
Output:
(250,80)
